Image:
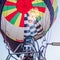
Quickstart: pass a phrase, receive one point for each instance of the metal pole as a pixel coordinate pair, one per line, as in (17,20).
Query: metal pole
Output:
(54,43)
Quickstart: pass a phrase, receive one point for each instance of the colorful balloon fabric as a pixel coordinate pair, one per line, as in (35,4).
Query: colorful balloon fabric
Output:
(22,18)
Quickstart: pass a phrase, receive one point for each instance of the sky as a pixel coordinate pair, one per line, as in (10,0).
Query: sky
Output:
(53,52)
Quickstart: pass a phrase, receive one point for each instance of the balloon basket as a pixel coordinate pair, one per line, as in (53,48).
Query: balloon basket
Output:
(29,52)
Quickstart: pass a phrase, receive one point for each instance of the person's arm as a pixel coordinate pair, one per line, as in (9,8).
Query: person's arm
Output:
(1,8)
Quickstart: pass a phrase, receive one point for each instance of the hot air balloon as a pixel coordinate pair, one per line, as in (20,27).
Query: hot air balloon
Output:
(23,19)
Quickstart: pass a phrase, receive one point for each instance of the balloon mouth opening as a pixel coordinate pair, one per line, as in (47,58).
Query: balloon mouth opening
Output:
(23,7)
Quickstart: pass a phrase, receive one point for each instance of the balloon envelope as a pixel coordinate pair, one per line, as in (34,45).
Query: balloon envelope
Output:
(22,18)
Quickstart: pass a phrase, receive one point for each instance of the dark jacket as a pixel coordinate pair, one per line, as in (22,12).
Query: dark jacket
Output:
(1,7)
